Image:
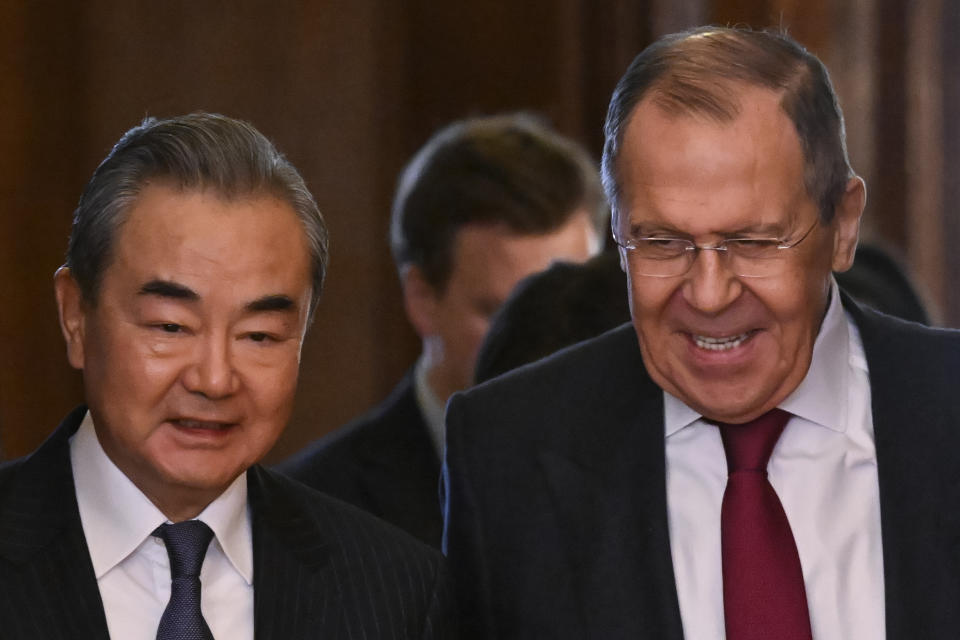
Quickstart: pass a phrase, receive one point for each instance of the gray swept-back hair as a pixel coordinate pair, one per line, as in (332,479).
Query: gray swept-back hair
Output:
(195,151)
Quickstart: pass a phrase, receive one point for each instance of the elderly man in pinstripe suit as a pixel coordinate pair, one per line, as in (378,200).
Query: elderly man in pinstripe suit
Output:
(195,262)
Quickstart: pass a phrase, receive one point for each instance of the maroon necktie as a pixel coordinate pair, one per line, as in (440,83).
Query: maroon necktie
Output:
(763,594)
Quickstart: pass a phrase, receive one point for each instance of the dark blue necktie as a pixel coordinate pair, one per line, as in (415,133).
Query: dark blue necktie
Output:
(187,544)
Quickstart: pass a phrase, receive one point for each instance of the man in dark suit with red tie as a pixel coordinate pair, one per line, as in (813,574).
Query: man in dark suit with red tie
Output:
(757,456)
(196,259)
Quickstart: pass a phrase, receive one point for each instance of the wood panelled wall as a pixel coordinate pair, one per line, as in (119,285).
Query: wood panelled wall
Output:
(350,88)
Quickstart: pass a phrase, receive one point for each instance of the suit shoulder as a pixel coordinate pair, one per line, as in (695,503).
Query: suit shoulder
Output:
(576,366)
(364,532)
(8,474)
(332,453)
(899,344)
(554,398)
(939,337)
(340,451)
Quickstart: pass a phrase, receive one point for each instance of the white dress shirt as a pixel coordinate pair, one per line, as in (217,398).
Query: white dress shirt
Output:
(823,468)
(431,407)
(132,566)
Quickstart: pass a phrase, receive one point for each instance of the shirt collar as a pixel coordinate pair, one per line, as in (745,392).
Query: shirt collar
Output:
(820,397)
(229,517)
(430,406)
(117,517)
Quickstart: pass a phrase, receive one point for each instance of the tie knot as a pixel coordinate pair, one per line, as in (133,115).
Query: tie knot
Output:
(187,544)
(748,446)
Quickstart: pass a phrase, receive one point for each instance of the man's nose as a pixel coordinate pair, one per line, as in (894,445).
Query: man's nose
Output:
(212,372)
(710,285)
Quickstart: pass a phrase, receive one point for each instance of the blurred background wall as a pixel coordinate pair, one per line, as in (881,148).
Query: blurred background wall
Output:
(348,89)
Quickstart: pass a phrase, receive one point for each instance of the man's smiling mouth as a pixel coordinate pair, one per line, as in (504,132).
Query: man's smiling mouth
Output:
(721,344)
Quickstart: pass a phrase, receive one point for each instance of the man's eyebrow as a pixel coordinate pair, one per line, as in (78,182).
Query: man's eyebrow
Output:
(277,302)
(167,289)
(767,230)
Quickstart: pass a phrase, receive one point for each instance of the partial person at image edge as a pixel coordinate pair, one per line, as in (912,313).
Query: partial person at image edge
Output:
(584,494)
(196,259)
(485,202)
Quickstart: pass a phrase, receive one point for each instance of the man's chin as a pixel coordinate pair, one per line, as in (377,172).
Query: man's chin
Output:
(193,486)
(725,400)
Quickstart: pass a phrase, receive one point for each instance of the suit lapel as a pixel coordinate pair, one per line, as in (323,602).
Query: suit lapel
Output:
(401,469)
(917,438)
(48,577)
(618,480)
(609,493)
(296,594)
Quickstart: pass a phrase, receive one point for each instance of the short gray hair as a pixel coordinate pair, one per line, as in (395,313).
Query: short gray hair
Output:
(697,71)
(195,151)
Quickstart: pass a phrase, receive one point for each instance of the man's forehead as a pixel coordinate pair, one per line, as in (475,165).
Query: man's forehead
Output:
(748,173)
(200,241)
(168,188)
(172,207)
(761,132)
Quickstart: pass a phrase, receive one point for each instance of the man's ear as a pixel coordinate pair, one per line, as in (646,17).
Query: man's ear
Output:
(71,309)
(847,223)
(420,300)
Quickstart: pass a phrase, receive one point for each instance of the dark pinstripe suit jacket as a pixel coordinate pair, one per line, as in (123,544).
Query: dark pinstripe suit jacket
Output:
(322,569)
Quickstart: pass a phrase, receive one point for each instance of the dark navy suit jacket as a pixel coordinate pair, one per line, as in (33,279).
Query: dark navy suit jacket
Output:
(556,511)
(383,462)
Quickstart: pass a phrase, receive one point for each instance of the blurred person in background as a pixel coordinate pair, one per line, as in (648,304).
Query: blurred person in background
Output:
(486,202)
(551,310)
